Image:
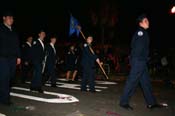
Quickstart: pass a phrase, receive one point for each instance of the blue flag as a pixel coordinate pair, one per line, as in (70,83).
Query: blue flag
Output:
(73,26)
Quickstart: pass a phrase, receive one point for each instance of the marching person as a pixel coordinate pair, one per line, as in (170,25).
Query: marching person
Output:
(71,63)
(38,53)
(26,59)
(51,59)
(139,71)
(9,56)
(88,60)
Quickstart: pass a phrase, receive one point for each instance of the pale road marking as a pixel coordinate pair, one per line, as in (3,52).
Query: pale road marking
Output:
(61,98)
(105,83)
(76,86)
(99,87)
(2,114)
(98,82)
(73,86)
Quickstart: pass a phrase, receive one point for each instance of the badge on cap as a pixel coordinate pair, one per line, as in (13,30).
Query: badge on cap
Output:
(140,33)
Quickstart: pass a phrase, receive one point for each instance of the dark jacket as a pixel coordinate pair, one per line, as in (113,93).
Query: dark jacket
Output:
(71,60)
(9,43)
(26,52)
(88,59)
(140,45)
(51,55)
(37,52)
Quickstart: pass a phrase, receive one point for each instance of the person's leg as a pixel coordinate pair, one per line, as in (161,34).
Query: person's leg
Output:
(84,80)
(12,66)
(23,73)
(74,75)
(68,75)
(4,81)
(147,88)
(37,77)
(53,76)
(91,80)
(131,83)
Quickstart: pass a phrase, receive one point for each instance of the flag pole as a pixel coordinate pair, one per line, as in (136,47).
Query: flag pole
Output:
(92,51)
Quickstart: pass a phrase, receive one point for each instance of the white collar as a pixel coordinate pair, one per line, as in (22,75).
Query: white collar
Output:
(52,45)
(40,40)
(29,43)
(41,43)
(8,26)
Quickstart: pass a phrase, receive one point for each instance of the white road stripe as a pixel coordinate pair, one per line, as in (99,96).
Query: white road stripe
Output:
(76,86)
(2,114)
(99,87)
(98,82)
(61,98)
(105,83)
(73,86)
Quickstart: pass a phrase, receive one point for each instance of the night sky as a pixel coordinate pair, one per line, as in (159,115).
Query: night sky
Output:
(53,16)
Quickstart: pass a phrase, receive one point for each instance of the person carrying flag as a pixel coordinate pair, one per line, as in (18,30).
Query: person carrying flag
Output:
(88,66)
(88,58)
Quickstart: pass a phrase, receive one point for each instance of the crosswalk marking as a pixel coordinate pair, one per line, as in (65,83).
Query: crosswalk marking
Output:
(73,86)
(99,87)
(77,86)
(60,98)
(2,114)
(70,86)
(98,82)
(105,83)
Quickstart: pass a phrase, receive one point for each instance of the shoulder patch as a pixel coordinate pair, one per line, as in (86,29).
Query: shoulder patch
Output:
(85,45)
(140,33)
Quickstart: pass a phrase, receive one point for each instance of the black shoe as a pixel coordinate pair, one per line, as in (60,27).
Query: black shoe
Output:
(155,106)
(33,89)
(9,103)
(69,81)
(92,91)
(36,90)
(82,90)
(23,82)
(40,91)
(127,107)
(54,85)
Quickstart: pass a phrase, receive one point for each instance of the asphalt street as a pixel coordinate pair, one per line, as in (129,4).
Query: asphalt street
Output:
(68,100)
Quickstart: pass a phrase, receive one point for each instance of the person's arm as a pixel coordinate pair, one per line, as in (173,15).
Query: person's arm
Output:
(18,62)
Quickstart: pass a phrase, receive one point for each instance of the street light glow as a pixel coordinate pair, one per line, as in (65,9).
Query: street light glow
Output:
(173,10)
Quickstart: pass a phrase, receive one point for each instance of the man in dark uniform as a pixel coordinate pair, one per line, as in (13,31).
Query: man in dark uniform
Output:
(51,59)
(88,60)
(26,59)
(38,53)
(9,56)
(139,71)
